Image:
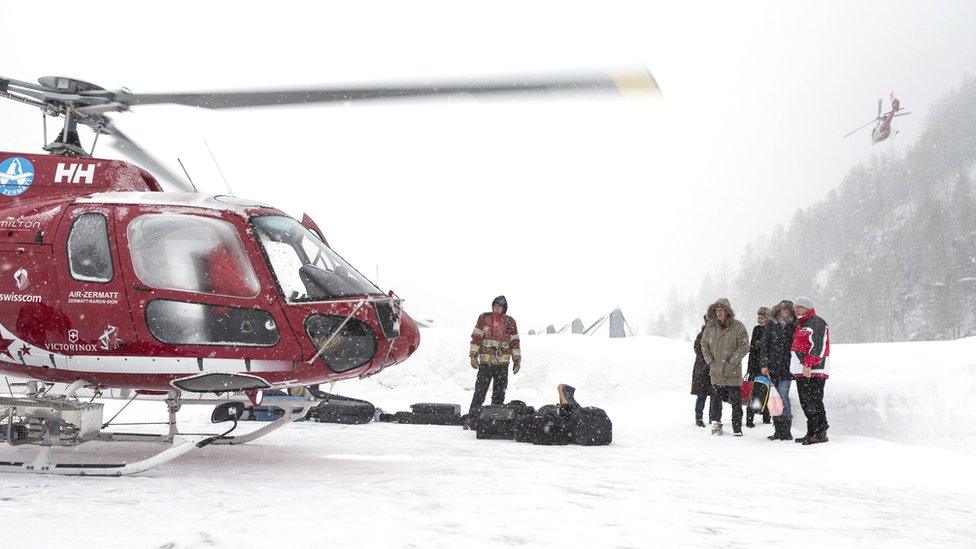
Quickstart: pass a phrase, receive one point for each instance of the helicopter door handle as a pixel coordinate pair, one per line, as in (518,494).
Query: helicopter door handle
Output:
(141,287)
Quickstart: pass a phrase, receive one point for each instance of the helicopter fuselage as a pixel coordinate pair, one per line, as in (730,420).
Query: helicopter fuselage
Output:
(107,279)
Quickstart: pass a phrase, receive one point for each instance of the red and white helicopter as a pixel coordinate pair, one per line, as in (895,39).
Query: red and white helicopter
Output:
(109,281)
(882,122)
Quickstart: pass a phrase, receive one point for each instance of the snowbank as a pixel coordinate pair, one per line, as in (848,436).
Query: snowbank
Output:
(663,482)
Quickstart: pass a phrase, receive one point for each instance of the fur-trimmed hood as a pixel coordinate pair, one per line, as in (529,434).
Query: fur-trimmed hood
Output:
(723,303)
(779,307)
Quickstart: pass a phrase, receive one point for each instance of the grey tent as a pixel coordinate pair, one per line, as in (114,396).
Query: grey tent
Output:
(613,324)
(578,326)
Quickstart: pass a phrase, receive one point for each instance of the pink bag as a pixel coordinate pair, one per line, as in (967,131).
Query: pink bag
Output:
(774,404)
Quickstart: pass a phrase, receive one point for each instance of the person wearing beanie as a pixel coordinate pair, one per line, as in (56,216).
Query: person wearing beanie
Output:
(775,363)
(724,344)
(811,347)
(755,351)
(701,385)
(494,342)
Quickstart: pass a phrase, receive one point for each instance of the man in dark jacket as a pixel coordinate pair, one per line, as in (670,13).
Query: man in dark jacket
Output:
(775,363)
(755,351)
(494,342)
(701,385)
(811,347)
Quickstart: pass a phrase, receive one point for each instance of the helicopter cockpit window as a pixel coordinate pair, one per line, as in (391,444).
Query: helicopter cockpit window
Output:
(191,253)
(307,269)
(89,257)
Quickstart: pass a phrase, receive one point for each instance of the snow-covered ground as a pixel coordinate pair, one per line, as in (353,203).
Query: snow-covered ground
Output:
(897,471)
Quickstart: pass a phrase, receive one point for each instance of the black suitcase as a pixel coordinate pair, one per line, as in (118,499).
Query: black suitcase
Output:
(436,408)
(496,423)
(591,426)
(346,412)
(410,418)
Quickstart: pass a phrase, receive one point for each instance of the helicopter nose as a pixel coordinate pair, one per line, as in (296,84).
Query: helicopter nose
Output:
(409,339)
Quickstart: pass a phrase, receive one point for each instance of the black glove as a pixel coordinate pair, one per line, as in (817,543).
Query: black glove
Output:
(516,367)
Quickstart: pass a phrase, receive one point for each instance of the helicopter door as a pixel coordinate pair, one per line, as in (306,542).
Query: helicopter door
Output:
(195,290)
(93,300)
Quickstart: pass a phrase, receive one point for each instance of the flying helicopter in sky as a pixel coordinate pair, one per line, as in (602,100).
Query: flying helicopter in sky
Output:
(110,281)
(882,122)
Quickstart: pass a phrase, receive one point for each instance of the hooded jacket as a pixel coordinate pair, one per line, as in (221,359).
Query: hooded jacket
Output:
(811,346)
(495,339)
(777,341)
(701,383)
(724,347)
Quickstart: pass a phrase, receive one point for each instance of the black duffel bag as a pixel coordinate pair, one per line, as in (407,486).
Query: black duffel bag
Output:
(548,427)
(590,426)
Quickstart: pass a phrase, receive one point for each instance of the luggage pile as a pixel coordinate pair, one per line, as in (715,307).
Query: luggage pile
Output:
(550,425)
(426,413)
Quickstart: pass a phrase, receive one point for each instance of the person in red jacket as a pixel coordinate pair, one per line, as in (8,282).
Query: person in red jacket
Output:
(811,347)
(494,342)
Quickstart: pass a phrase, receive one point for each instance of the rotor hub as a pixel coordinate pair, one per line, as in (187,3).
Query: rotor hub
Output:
(65,84)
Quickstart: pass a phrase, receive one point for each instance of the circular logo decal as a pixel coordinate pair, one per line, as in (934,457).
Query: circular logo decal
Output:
(16,176)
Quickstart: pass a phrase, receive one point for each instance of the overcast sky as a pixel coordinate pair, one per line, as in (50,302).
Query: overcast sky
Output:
(569,207)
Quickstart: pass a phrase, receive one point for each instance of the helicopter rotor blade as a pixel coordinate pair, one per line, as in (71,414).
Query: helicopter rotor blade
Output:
(903,113)
(124,144)
(862,126)
(625,82)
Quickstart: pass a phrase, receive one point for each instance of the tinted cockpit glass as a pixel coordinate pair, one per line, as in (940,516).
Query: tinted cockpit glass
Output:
(307,269)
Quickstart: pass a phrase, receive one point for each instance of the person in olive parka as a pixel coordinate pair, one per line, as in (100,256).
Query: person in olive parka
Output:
(724,344)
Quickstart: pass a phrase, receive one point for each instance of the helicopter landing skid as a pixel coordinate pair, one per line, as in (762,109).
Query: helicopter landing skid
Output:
(293,411)
(180,444)
(42,462)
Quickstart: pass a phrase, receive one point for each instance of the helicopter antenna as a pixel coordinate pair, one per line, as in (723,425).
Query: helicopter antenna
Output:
(188,178)
(95,142)
(44,116)
(220,171)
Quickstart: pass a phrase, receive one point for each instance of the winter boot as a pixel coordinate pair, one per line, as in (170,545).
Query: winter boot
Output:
(716,428)
(699,422)
(737,433)
(766,418)
(787,426)
(817,438)
(777,430)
